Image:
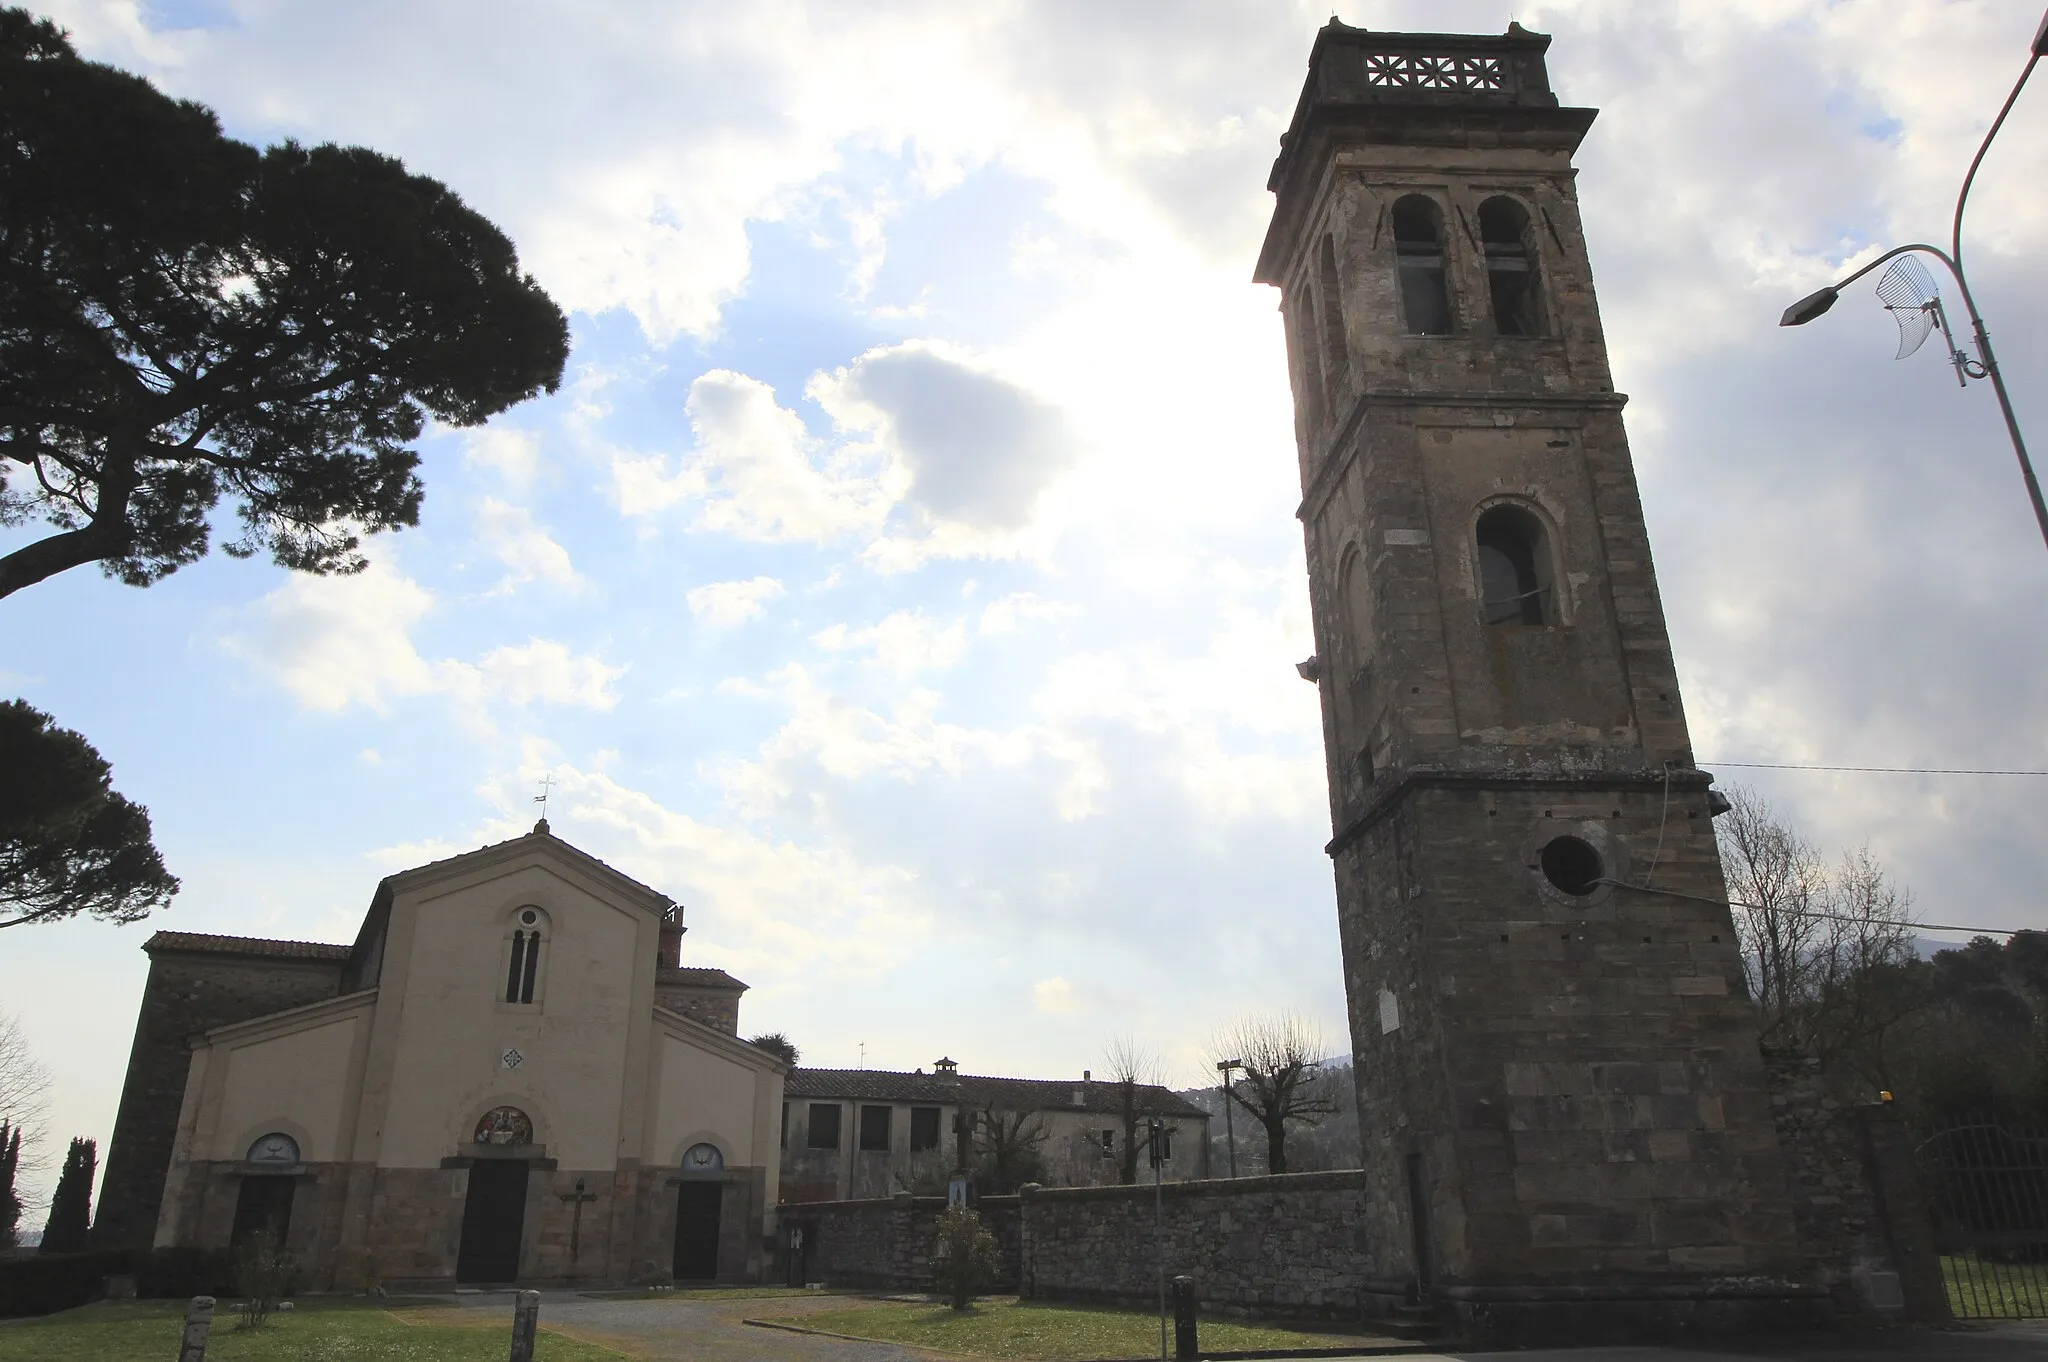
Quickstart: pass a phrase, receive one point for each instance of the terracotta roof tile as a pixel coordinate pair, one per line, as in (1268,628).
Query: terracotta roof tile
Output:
(244,945)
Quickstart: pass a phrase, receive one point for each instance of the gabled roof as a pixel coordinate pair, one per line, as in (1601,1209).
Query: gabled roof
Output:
(204,943)
(1010,1094)
(698,976)
(540,839)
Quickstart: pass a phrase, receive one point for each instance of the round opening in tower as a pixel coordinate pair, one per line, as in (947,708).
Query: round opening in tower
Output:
(1572,866)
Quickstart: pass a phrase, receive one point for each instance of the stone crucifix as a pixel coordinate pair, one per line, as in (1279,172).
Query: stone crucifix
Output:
(577,1199)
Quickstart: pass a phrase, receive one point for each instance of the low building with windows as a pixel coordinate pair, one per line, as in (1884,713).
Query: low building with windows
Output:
(849,1134)
(509,1077)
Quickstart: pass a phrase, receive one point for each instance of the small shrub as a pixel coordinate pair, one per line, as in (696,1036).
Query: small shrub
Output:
(264,1275)
(964,1256)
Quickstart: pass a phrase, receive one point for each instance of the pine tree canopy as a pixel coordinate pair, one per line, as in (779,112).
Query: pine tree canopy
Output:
(185,318)
(69,843)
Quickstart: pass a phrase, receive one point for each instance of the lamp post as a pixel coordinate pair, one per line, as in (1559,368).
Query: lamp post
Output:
(1986,364)
(1224,1066)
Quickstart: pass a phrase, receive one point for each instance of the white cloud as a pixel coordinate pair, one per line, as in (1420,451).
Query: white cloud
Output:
(1007,614)
(528,552)
(721,605)
(756,473)
(512,453)
(1055,996)
(334,642)
(338,642)
(904,643)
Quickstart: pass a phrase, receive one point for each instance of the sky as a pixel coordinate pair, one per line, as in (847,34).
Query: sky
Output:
(905,576)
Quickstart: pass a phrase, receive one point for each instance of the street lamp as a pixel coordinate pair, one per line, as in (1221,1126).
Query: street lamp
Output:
(1985,365)
(1224,1066)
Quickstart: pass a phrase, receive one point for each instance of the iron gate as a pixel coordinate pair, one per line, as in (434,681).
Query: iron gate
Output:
(1987,1177)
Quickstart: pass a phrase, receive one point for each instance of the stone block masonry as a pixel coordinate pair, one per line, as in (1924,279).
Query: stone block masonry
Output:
(195,983)
(887,1242)
(1291,1245)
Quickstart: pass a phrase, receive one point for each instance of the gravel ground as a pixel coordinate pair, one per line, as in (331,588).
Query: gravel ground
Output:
(701,1330)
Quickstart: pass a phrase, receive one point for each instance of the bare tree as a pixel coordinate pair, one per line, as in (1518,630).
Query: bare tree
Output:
(24,1107)
(1778,879)
(1136,1072)
(1282,1058)
(1006,1145)
(1813,938)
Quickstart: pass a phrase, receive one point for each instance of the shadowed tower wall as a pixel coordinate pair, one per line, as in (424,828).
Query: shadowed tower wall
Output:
(1559,1085)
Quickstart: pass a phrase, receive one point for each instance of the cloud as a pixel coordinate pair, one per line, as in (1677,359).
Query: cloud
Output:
(1055,996)
(721,605)
(528,552)
(979,448)
(904,643)
(338,642)
(512,453)
(756,473)
(334,642)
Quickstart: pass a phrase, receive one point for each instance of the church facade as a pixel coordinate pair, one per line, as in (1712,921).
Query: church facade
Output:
(509,1077)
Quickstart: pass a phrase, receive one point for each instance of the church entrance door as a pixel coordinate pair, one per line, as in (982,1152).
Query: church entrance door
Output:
(697,1230)
(492,1217)
(262,1210)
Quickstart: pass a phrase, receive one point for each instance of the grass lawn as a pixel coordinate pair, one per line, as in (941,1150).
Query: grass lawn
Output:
(148,1331)
(715,1293)
(1981,1289)
(1045,1333)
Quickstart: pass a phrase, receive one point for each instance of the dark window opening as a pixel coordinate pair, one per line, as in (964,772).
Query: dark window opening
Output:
(1336,352)
(874,1129)
(924,1127)
(1510,268)
(1109,1144)
(1513,568)
(525,967)
(823,1132)
(785,1125)
(1419,261)
(1572,865)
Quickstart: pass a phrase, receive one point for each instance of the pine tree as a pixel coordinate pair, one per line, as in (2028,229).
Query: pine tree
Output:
(10,1200)
(70,1223)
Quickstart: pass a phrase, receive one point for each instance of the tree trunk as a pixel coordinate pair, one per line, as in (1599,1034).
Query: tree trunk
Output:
(1276,1143)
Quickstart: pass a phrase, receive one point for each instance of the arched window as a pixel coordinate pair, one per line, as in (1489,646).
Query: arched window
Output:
(1302,328)
(1514,568)
(522,969)
(1356,594)
(1419,260)
(275,1150)
(1510,267)
(1336,351)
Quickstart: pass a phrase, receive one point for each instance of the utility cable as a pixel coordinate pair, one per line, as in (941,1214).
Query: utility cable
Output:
(1870,770)
(1830,917)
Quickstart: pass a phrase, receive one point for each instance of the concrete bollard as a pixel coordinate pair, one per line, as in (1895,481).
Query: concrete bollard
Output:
(198,1324)
(525,1324)
(1185,1306)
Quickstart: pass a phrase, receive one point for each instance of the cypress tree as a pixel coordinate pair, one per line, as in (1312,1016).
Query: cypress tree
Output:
(70,1223)
(10,1200)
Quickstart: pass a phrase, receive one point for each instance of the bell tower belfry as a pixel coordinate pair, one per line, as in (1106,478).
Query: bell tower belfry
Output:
(1559,1083)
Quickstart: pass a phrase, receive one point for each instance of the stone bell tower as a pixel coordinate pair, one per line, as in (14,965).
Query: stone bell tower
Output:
(1558,1076)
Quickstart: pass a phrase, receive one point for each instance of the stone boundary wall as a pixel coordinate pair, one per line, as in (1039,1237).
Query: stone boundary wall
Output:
(887,1242)
(1865,1227)
(1290,1244)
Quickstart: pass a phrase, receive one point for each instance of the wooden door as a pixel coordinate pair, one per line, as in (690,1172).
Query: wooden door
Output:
(493,1215)
(697,1205)
(262,1209)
